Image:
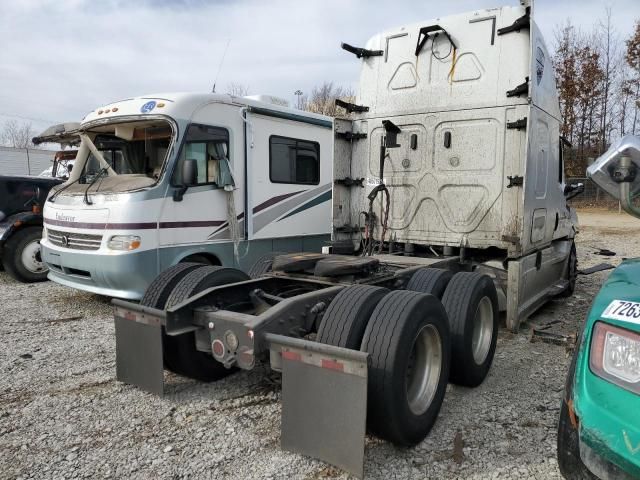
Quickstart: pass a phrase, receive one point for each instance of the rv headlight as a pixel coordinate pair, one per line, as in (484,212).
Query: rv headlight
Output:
(615,356)
(124,242)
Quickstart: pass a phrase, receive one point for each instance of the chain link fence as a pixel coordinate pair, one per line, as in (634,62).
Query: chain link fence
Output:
(593,196)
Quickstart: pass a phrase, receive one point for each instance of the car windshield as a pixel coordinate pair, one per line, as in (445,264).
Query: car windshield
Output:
(133,156)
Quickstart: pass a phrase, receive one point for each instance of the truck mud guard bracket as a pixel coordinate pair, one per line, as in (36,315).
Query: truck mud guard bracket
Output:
(350,135)
(349,229)
(349,182)
(324,400)
(521,89)
(361,52)
(139,346)
(515,181)
(425,32)
(520,23)
(351,107)
(518,124)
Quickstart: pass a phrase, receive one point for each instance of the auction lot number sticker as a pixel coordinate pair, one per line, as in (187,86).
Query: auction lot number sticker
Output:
(623,310)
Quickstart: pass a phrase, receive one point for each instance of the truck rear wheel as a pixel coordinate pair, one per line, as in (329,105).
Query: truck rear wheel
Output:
(471,303)
(22,258)
(430,280)
(263,264)
(180,351)
(347,315)
(572,272)
(407,339)
(158,292)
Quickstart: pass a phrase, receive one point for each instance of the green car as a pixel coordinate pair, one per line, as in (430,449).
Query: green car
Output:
(599,427)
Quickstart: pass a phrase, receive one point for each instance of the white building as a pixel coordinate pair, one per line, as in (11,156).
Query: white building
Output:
(24,161)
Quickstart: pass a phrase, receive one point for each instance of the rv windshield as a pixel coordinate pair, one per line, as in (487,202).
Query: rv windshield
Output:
(133,155)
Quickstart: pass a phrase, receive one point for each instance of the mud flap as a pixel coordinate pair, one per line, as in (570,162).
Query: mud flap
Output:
(324,400)
(139,346)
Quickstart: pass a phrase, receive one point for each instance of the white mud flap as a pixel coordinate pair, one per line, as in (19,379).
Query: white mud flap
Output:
(139,346)
(324,400)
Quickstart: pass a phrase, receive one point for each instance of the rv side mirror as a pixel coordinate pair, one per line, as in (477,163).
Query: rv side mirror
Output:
(189,172)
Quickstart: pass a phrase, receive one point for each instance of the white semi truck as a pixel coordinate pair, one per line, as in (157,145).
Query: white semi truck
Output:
(186,178)
(448,208)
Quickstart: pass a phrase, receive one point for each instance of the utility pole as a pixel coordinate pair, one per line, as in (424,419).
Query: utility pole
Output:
(298,93)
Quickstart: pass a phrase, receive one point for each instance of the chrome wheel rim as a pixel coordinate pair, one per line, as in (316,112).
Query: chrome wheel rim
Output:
(482,331)
(31,259)
(423,371)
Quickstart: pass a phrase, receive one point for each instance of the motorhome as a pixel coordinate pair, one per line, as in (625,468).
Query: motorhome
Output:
(170,178)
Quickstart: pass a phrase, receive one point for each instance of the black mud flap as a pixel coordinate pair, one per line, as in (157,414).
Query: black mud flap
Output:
(139,346)
(324,400)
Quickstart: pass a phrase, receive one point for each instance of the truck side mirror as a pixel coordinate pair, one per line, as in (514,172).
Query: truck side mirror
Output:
(189,172)
(573,190)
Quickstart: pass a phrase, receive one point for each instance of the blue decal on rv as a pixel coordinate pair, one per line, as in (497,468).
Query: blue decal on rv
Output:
(147,107)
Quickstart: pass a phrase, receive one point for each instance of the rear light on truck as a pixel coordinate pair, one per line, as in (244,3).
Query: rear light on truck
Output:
(615,356)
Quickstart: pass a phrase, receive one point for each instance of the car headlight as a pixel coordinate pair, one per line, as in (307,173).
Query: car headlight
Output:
(615,355)
(124,242)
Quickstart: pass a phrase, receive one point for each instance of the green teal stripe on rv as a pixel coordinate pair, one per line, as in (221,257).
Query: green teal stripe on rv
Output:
(291,116)
(326,196)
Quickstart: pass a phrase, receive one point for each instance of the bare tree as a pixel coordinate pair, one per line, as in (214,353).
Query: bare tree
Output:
(237,89)
(17,135)
(632,56)
(608,51)
(323,99)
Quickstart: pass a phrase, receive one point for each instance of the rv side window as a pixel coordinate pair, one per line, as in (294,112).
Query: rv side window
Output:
(294,161)
(209,146)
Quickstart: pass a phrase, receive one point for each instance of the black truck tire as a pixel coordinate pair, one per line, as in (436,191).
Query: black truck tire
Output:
(572,272)
(263,264)
(158,291)
(21,256)
(347,315)
(180,351)
(407,339)
(471,303)
(430,280)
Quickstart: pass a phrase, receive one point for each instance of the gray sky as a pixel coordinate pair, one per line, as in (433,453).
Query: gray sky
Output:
(62,58)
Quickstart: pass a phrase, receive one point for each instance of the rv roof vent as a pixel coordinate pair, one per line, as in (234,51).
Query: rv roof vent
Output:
(269,99)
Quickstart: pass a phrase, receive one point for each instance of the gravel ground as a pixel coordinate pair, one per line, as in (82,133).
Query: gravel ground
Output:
(62,414)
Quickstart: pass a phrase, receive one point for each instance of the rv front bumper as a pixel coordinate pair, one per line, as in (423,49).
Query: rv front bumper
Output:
(125,275)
